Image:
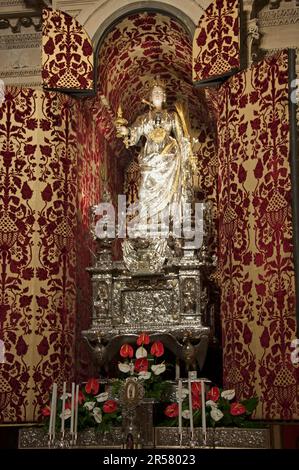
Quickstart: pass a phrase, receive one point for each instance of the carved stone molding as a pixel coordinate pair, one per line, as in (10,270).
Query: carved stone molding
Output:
(23,21)
(20,41)
(30,77)
(278,17)
(253,40)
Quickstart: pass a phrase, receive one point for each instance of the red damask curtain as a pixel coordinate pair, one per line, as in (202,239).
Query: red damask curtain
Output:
(255,237)
(37,248)
(50,155)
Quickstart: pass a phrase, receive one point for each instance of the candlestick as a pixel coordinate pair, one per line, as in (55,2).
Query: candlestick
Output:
(72,411)
(180,400)
(203,412)
(53,413)
(63,409)
(76,413)
(55,408)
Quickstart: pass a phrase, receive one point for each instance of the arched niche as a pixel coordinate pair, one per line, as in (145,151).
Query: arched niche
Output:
(99,16)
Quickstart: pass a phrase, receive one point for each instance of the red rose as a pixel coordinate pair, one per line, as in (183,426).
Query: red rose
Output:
(214,394)
(141,365)
(143,338)
(157,349)
(92,386)
(172,411)
(126,351)
(46,411)
(196,389)
(237,409)
(110,406)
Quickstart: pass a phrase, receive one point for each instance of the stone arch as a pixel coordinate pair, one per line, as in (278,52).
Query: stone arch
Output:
(100,16)
(257,6)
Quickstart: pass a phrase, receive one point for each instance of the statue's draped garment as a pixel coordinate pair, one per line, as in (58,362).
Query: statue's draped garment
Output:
(163,161)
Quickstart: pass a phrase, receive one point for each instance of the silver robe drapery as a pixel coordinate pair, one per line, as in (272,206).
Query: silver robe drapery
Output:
(163,161)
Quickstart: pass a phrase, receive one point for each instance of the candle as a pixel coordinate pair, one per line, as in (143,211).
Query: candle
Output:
(180,400)
(73,409)
(76,411)
(203,412)
(63,408)
(53,412)
(190,408)
(177,370)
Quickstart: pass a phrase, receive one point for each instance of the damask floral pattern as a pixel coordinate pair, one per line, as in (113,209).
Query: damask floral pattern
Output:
(257,271)
(216,41)
(135,50)
(38,252)
(67,54)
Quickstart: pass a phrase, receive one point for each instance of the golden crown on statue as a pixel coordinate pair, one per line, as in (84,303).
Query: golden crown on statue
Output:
(157,81)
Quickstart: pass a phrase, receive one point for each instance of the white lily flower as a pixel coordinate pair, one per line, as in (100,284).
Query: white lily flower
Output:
(216,414)
(123,367)
(89,405)
(67,414)
(141,352)
(211,403)
(185,393)
(97,414)
(228,394)
(66,396)
(145,375)
(102,397)
(186,414)
(158,369)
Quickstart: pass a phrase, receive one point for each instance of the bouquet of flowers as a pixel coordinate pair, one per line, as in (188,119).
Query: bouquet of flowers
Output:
(95,409)
(144,361)
(222,408)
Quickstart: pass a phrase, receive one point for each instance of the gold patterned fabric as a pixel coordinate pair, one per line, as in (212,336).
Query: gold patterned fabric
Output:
(37,248)
(255,238)
(67,53)
(50,155)
(216,50)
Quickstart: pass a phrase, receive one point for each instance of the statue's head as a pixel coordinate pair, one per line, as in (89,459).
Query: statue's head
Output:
(158,93)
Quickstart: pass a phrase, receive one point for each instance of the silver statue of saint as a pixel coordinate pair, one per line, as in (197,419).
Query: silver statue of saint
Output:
(165,160)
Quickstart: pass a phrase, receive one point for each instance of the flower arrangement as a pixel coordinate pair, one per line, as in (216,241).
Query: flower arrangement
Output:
(222,408)
(95,409)
(144,361)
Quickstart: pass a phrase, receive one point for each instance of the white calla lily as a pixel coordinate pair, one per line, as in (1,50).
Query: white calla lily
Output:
(123,367)
(158,368)
(141,352)
(186,414)
(185,393)
(211,403)
(89,405)
(228,394)
(144,375)
(67,414)
(66,396)
(97,414)
(216,414)
(102,397)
